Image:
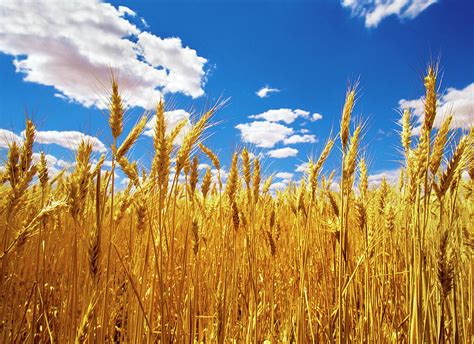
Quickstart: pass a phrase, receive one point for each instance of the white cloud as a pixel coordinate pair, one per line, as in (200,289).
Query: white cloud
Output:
(284,175)
(264,134)
(281,115)
(8,137)
(126,11)
(303,167)
(72,46)
(300,139)
(390,175)
(278,186)
(125,181)
(316,117)
(267,133)
(374,11)
(224,174)
(203,167)
(334,187)
(172,118)
(67,139)
(256,156)
(265,91)
(144,23)
(54,164)
(107,163)
(282,152)
(185,67)
(52,161)
(460,103)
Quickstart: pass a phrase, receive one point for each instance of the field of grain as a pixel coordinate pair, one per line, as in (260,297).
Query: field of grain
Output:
(178,256)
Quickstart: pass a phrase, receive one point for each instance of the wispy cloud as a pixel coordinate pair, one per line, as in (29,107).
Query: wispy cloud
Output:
(459,103)
(126,11)
(374,11)
(72,46)
(283,153)
(265,91)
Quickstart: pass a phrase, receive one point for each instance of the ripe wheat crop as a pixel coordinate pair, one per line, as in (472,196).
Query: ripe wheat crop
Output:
(180,256)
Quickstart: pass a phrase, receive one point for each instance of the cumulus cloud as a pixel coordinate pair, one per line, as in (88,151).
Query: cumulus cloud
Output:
(203,167)
(125,181)
(67,139)
(282,152)
(282,115)
(51,160)
(278,186)
(460,103)
(316,117)
(224,174)
(374,11)
(390,175)
(256,156)
(300,139)
(107,163)
(268,132)
(54,164)
(72,46)
(303,167)
(263,133)
(284,175)
(7,137)
(334,187)
(265,91)
(172,119)
(185,66)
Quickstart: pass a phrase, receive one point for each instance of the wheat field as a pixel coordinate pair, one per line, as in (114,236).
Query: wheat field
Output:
(180,256)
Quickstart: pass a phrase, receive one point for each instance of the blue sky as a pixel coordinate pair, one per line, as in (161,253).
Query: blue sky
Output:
(56,71)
